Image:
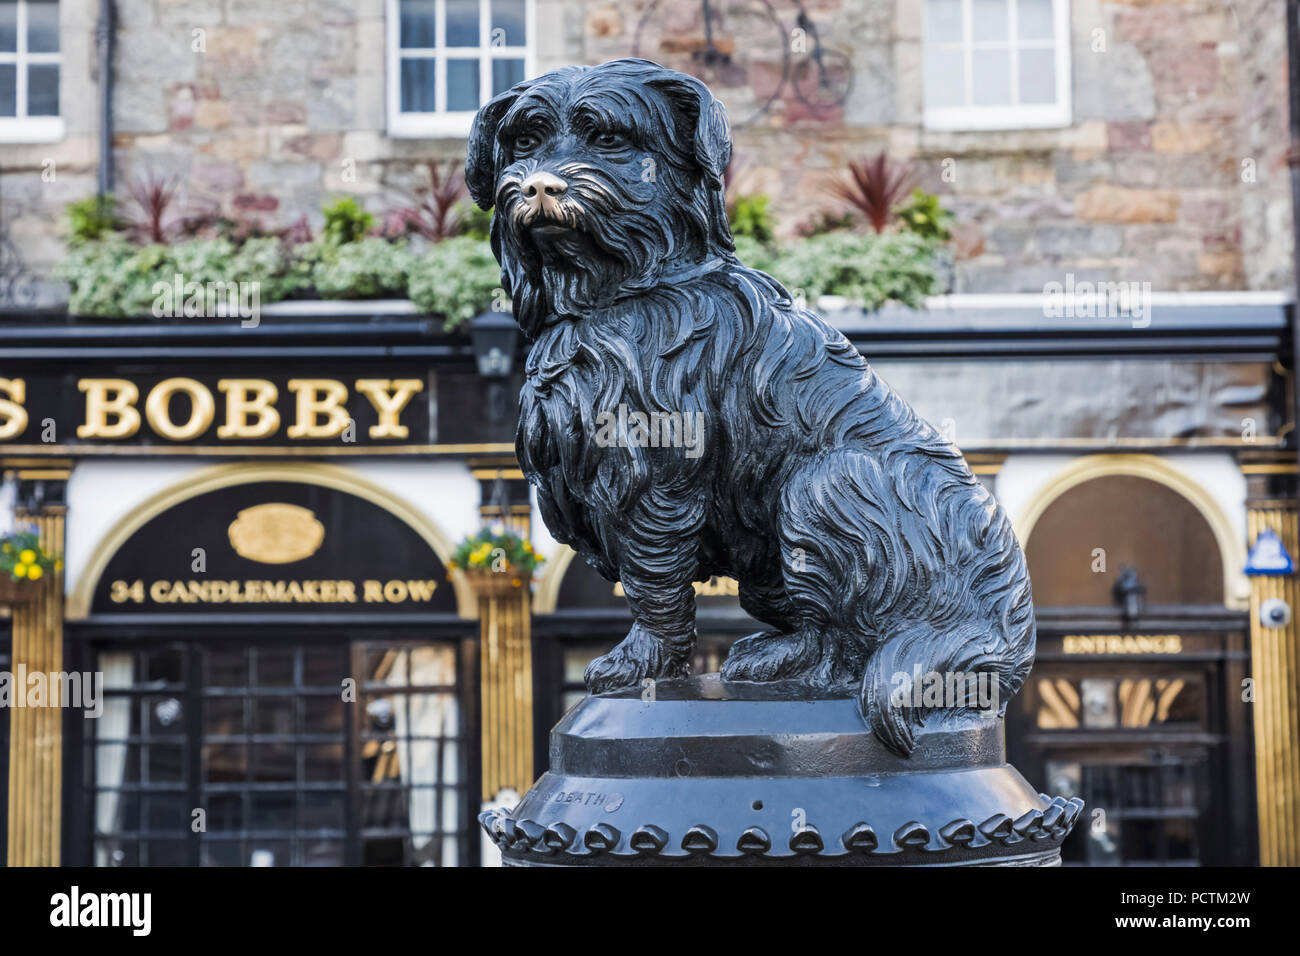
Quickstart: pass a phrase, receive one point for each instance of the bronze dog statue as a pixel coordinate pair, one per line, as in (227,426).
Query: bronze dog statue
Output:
(855,531)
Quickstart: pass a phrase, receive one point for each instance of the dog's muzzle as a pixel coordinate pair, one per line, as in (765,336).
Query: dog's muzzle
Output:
(541,194)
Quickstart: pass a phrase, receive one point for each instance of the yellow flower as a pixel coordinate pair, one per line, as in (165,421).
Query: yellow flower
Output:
(27,556)
(515,582)
(7,547)
(34,572)
(20,570)
(58,564)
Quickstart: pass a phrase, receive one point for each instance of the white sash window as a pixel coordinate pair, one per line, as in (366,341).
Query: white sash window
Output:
(446,58)
(996,64)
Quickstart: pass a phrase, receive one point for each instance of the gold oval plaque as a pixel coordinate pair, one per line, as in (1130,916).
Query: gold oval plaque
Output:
(276,533)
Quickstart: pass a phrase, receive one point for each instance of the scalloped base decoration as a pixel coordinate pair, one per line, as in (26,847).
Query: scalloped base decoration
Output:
(711,773)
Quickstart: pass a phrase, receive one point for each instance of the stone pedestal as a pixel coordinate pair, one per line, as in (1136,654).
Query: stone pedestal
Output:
(691,777)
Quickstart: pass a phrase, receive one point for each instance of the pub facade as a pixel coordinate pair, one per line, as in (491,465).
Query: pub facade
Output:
(256,568)
(256,530)
(254,523)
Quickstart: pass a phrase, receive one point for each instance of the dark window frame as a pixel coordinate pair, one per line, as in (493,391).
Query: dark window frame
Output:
(86,640)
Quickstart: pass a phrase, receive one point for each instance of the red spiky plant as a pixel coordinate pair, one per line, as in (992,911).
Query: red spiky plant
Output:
(874,186)
(154,195)
(435,214)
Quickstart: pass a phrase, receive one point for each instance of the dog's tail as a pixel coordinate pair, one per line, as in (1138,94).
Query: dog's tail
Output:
(894,696)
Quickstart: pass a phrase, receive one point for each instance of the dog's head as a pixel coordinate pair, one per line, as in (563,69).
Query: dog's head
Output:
(606,180)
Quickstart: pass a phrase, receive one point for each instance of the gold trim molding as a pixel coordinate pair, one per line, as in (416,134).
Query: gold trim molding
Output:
(225,476)
(547,594)
(1154,444)
(254,451)
(35,754)
(1275,668)
(1256,469)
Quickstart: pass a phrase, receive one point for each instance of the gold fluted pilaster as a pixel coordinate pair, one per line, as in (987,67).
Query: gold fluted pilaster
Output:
(1276,670)
(506,675)
(36,733)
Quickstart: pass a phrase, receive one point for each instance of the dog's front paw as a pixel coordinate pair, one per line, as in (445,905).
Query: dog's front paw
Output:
(769,656)
(638,656)
(614,671)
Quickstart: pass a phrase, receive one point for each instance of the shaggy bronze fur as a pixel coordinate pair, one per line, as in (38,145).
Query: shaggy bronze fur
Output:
(856,532)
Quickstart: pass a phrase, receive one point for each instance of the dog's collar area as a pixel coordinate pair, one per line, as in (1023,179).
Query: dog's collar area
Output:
(694,272)
(677,277)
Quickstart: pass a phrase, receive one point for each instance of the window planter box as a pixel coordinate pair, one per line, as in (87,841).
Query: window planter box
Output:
(497,584)
(18,592)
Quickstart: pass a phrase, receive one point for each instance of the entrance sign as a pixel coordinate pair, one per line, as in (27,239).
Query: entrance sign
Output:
(1122,644)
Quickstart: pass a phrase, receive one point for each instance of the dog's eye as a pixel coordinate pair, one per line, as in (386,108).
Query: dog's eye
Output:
(610,140)
(524,142)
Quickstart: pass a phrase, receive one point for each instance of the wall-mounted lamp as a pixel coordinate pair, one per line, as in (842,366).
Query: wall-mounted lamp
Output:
(1130,593)
(496,338)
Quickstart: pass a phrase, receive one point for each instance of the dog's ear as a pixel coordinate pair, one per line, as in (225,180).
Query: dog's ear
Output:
(703,118)
(481,152)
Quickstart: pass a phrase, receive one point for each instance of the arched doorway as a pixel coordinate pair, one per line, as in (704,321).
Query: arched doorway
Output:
(1131,701)
(287,680)
(1093,530)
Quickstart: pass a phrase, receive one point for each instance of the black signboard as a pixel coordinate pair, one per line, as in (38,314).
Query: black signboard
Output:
(253,405)
(274,547)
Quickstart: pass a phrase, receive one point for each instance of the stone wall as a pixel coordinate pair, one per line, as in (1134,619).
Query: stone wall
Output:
(38,179)
(1172,172)
(261,110)
(1150,183)
(283,111)
(1145,184)
(1267,240)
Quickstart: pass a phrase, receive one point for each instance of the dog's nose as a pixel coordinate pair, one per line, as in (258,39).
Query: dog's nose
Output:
(539,184)
(542,192)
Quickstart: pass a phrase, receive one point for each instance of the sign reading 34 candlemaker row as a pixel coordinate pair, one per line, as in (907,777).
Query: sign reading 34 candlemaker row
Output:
(274,547)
